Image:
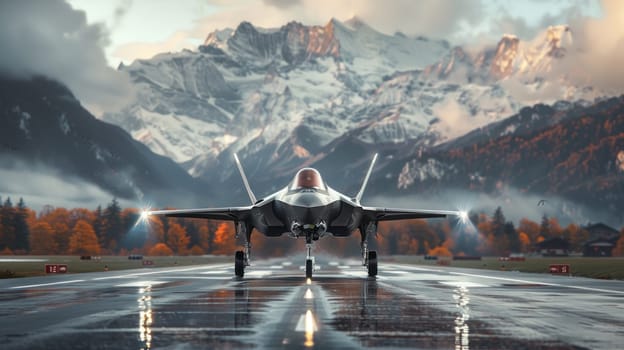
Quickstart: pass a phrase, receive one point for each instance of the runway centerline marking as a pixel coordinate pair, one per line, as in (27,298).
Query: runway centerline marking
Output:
(46,284)
(542,283)
(153,273)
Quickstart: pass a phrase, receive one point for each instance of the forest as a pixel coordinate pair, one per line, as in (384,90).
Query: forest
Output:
(113,230)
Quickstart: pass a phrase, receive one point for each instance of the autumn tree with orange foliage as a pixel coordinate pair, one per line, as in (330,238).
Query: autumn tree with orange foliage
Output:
(177,239)
(83,240)
(160,249)
(42,239)
(224,239)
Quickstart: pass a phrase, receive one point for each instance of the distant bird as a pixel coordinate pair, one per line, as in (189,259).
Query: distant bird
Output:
(541,203)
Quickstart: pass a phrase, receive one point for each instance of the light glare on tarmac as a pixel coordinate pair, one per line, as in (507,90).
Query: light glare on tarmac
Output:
(405,307)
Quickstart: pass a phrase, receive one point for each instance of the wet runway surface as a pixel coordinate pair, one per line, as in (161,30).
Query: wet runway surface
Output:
(274,307)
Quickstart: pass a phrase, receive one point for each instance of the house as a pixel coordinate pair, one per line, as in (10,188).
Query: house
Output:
(555,246)
(602,240)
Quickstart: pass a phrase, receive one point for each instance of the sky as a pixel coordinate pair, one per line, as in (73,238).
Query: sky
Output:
(82,42)
(143,28)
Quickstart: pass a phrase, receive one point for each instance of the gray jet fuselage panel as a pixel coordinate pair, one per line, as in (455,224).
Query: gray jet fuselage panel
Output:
(276,214)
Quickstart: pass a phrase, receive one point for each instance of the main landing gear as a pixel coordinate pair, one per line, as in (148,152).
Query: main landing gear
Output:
(369,258)
(242,257)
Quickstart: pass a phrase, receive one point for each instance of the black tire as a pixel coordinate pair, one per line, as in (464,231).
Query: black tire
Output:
(372,263)
(309,268)
(239,263)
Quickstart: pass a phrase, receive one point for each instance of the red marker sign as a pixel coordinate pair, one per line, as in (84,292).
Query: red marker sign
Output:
(55,268)
(559,268)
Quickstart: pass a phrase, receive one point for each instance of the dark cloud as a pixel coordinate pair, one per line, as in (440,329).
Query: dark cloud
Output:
(50,38)
(283,3)
(120,12)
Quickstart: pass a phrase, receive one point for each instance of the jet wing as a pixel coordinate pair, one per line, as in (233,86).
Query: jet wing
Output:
(387,214)
(230,214)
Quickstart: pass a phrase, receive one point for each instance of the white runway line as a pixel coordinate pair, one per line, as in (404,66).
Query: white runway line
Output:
(46,284)
(217,272)
(542,283)
(465,284)
(276,267)
(130,275)
(259,273)
(141,284)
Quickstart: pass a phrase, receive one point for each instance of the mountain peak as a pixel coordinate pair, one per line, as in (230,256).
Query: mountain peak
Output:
(355,22)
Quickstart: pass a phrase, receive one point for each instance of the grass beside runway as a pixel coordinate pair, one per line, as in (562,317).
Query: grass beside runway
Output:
(111,263)
(602,268)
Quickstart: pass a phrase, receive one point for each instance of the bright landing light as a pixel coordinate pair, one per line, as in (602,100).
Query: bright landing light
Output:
(463,216)
(143,217)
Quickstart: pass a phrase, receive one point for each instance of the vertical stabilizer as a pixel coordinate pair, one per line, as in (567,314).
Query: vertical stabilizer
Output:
(359,195)
(240,169)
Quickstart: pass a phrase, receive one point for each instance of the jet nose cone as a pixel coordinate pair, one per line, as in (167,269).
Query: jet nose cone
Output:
(309,200)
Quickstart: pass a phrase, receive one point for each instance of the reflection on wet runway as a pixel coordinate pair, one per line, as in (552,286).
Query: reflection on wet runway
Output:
(403,308)
(462,331)
(145,317)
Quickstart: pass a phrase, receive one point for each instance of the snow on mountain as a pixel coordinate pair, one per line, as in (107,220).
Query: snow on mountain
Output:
(282,97)
(261,85)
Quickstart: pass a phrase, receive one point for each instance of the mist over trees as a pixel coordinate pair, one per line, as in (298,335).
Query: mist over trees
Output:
(112,230)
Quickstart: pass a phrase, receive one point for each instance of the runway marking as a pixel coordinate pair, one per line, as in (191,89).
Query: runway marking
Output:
(260,273)
(276,267)
(218,272)
(22,260)
(130,275)
(542,283)
(46,284)
(398,272)
(141,284)
(333,263)
(462,284)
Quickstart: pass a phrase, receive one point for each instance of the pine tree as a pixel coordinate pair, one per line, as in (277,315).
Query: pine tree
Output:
(112,226)
(21,227)
(498,222)
(98,224)
(545,227)
(7,215)
(512,237)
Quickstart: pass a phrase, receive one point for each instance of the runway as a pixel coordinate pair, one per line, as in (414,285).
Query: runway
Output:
(274,307)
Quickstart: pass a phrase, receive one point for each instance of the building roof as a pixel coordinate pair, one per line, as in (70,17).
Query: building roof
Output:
(554,243)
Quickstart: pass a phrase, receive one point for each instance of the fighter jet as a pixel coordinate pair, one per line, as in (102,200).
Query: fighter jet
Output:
(306,208)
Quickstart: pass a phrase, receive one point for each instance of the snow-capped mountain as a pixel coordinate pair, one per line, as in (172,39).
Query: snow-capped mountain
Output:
(256,85)
(283,98)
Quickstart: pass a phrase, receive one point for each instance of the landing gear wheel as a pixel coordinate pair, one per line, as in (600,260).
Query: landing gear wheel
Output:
(372,263)
(239,263)
(309,268)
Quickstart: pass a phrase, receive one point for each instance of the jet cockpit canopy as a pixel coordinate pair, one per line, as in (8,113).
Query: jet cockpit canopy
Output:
(308,178)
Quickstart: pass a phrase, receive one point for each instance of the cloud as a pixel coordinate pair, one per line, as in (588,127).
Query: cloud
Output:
(455,120)
(120,12)
(283,3)
(41,186)
(516,205)
(433,18)
(50,38)
(596,54)
(141,50)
